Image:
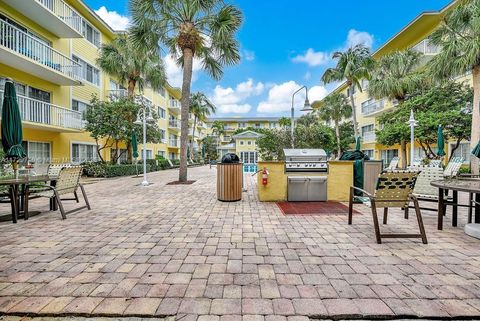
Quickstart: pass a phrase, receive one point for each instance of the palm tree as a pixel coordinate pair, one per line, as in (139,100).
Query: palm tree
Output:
(284,122)
(218,129)
(353,65)
(334,108)
(189,29)
(132,65)
(200,108)
(395,76)
(458,36)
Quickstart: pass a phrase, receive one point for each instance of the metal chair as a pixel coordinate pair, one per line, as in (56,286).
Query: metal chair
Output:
(68,182)
(394,190)
(54,169)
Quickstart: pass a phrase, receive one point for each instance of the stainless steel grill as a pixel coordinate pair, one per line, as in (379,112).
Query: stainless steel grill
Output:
(305,160)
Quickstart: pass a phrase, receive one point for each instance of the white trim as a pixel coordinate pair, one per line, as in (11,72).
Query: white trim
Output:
(74,53)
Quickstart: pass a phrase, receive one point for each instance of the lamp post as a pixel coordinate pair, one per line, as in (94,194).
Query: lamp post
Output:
(306,107)
(412,122)
(142,119)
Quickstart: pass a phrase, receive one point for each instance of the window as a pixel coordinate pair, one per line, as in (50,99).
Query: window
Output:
(367,129)
(388,154)
(123,153)
(161,112)
(80,106)
(369,152)
(149,153)
(249,157)
(258,125)
(37,152)
(419,154)
(87,72)
(273,125)
(249,142)
(241,142)
(242,125)
(161,91)
(173,156)
(463,151)
(39,94)
(162,134)
(84,153)
(161,153)
(90,33)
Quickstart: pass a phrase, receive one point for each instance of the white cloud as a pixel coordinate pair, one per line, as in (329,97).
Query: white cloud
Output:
(249,55)
(312,58)
(234,109)
(359,37)
(232,100)
(317,93)
(113,18)
(279,97)
(175,72)
(307,75)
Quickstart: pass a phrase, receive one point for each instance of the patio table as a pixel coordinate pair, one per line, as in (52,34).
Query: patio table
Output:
(467,185)
(17,188)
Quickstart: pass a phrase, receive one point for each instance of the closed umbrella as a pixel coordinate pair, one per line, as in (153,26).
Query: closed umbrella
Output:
(476,150)
(440,142)
(134,145)
(12,126)
(357,143)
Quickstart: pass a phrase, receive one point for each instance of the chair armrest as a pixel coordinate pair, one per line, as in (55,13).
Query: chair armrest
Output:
(362,191)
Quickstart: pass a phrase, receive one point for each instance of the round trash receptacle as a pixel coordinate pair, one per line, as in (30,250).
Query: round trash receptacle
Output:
(229,181)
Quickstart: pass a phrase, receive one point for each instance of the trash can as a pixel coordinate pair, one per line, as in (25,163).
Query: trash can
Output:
(229,178)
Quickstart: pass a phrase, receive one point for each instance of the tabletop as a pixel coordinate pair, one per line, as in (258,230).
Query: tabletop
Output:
(27,179)
(471,185)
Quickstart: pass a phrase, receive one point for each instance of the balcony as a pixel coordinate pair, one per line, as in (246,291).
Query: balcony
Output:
(226,138)
(373,107)
(38,114)
(22,51)
(54,15)
(173,124)
(173,143)
(369,137)
(229,128)
(174,106)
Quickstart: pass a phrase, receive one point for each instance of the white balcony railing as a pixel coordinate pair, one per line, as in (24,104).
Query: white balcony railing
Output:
(173,143)
(372,107)
(117,93)
(369,137)
(426,47)
(64,12)
(173,124)
(30,47)
(36,111)
(226,138)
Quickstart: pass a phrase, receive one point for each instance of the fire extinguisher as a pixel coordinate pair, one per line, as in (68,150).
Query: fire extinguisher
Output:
(264,176)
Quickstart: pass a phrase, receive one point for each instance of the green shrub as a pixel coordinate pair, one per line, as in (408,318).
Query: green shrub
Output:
(94,169)
(176,162)
(124,170)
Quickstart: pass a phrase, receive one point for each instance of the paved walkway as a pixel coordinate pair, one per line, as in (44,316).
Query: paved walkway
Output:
(177,251)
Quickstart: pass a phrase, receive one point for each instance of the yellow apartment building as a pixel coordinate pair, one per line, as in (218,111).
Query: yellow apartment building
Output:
(243,144)
(49,49)
(416,36)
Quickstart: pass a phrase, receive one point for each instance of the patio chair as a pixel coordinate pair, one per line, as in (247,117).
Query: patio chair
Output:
(68,182)
(393,164)
(394,190)
(435,163)
(54,169)
(423,190)
(453,167)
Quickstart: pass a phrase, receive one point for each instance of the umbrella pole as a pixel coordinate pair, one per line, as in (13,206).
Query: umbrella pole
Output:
(15,169)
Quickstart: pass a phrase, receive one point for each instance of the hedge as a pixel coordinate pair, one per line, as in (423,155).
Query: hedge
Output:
(109,170)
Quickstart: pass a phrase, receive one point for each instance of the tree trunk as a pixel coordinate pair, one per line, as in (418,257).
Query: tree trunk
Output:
(185,101)
(131,88)
(475,133)
(403,150)
(193,136)
(337,133)
(354,111)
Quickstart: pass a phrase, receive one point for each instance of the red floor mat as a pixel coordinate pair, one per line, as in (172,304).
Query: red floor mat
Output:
(313,208)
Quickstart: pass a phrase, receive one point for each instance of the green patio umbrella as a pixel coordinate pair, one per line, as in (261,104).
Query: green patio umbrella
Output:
(357,143)
(12,126)
(440,142)
(134,145)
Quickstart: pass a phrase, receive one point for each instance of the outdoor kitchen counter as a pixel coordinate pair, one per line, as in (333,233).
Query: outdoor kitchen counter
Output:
(339,180)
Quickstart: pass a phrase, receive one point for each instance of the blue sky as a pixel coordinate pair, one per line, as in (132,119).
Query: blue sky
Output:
(286,44)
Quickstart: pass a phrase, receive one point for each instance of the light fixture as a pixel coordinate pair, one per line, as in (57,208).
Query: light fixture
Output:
(138,121)
(307,106)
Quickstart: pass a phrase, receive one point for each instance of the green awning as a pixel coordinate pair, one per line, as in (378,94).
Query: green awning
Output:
(134,145)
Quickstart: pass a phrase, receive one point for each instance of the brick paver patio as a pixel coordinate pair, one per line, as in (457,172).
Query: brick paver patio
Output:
(177,251)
